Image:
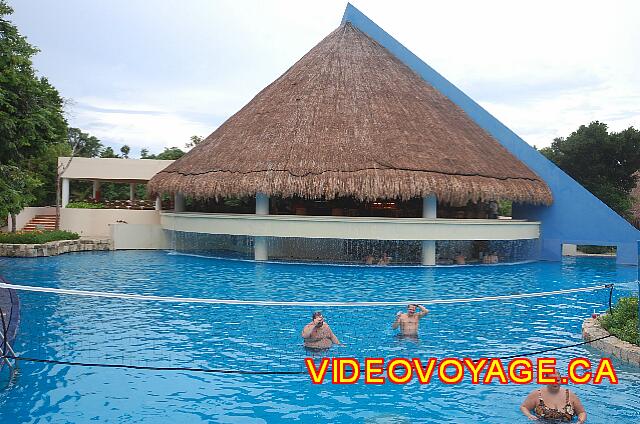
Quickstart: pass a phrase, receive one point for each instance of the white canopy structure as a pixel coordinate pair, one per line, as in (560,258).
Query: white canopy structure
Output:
(99,170)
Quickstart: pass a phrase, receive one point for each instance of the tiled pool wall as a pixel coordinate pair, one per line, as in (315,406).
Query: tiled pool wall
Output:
(351,251)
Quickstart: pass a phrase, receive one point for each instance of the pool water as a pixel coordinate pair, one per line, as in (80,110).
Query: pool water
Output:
(267,338)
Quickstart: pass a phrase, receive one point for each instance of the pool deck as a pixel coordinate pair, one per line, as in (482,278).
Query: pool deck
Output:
(10,305)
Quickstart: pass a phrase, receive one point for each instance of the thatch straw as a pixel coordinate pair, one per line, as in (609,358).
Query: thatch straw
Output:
(349,119)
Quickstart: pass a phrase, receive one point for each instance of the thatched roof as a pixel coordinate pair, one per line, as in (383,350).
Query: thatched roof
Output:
(350,119)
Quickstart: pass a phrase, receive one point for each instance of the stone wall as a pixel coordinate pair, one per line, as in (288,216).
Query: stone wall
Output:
(53,248)
(591,329)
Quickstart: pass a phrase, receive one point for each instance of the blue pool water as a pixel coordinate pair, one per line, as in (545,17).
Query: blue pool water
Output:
(268,338)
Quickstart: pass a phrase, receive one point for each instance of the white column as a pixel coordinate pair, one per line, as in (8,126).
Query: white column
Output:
(65,192)
(429,207)
(132,191)
(428,252)
(96,189)
(260,250)
(178,202)
(158,203)
(262,204)
(429,210)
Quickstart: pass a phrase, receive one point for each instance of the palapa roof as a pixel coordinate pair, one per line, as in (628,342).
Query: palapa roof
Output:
(350,119)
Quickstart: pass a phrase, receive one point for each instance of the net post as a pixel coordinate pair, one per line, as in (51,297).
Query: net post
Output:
(5,331)
(610,287)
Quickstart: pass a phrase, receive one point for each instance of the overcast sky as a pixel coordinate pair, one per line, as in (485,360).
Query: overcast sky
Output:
(153,73)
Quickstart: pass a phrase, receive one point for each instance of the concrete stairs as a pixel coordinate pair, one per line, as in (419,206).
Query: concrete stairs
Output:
(41,222)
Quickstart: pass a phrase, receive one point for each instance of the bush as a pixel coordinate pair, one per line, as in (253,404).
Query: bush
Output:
(623,321)
(505,208)
(85,205)
(37,237)
(596,250)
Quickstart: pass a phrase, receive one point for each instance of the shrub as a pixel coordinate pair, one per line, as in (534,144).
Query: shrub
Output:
(623,321)
(85,205)
(37,237)
(505,208)
(591,250)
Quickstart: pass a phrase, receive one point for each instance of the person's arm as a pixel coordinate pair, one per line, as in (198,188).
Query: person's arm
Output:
(528,404)
(396,323)
(579,410)
(308,329)
(423,311)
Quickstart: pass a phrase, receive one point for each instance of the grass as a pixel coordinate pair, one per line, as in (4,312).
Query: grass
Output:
(623,321)
(37,237)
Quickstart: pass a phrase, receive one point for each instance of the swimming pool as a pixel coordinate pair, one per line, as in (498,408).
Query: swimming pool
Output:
(268,338)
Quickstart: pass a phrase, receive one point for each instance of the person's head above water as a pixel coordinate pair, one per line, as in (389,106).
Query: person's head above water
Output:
(411,309)
(317,319)
(554,387)
(545,411)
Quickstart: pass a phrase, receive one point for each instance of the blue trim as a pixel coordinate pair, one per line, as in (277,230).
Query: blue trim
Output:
(576,216)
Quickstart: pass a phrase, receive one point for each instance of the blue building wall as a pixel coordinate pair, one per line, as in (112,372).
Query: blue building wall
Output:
(575,217)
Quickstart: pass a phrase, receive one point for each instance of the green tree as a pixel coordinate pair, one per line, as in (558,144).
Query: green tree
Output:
(31,118)
(46,169)
(79,144)
(16,191)
(170,153)
(125,151)
(604,162)
(86,145)
(30,108)
(108,152)
(114,191)
(195,140)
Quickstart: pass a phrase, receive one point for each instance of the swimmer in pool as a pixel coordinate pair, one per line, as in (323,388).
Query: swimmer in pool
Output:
(317,334)
(409,321)
(384,260)
(550,404)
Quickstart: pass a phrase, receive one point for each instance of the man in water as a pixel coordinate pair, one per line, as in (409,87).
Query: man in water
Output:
(409,322)
(317,334)
(384,260)
(552,404)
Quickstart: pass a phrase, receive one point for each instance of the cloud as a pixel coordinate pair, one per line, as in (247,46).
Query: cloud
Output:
(88,107)
(152,77)
(539,121)
(119,124)
(524,88)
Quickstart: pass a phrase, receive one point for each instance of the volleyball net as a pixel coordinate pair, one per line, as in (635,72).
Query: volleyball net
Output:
(63,326)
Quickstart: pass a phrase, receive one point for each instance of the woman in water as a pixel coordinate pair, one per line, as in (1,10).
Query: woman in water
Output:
(550,404)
